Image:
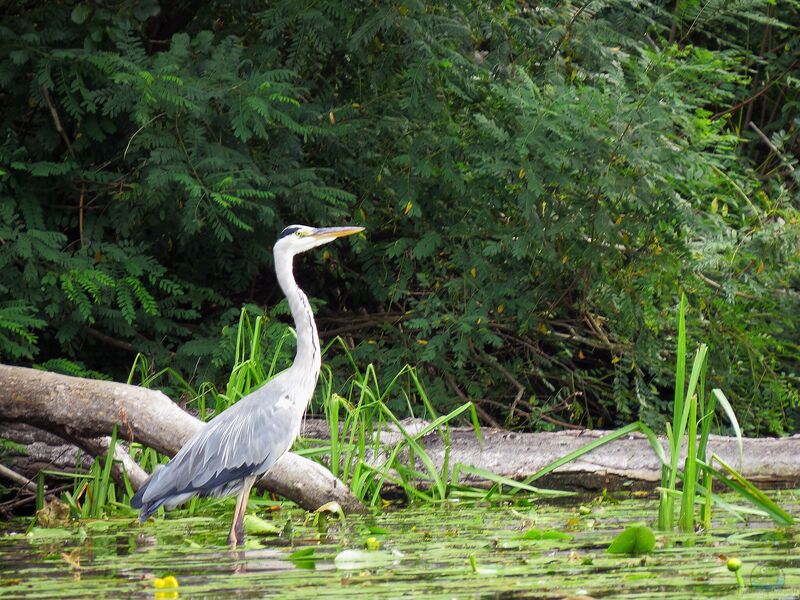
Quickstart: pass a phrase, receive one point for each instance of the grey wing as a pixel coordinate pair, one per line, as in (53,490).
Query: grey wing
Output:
(244,440)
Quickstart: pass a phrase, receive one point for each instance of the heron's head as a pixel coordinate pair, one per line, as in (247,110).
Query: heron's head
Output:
(300,238)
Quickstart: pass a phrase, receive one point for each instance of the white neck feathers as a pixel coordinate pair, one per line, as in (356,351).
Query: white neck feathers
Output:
(308,357)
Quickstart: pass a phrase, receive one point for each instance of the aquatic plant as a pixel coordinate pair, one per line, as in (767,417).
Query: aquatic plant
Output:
(692,408)
(358,415)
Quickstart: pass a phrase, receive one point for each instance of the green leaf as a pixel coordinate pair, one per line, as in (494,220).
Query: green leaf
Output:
(545,534)
(254,525)
(634,540)
(735,481)
(726,406)
(81,12)
(304,558)
(302,553)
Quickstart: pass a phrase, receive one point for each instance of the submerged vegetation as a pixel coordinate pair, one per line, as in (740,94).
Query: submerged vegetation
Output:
(462,548)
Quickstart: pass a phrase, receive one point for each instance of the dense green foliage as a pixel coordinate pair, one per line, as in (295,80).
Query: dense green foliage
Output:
(539,184)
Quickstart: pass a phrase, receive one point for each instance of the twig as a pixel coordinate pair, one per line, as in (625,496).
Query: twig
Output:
(674,29)
(65,137)
(560,423)
(747,101)
(135,133)
(363,323)
(596,328)
(507,333)
(718,286)
(80,212)
(504,372)
(771,146)
(18,479)
(600,345)
(696,19)
(107,339)
(32,497)
(568,28)
(57,121)
(765,35)
(463,397)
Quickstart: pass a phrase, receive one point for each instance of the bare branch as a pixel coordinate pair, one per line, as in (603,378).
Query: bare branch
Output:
(771,146)
(11,475)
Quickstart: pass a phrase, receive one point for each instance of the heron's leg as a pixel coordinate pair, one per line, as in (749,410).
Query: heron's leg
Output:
(236,536)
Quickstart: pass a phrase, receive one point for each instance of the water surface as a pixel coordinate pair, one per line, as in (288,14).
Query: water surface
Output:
(457,550)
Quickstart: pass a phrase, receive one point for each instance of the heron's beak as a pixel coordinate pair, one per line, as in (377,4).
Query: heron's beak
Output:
(330,233)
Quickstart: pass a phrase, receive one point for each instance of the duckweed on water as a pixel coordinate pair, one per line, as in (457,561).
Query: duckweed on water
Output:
(456,550)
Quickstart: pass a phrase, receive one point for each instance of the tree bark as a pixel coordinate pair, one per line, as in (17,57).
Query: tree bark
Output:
(84,412)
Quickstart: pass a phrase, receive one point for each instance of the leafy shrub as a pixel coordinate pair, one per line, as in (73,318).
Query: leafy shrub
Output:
(539,184)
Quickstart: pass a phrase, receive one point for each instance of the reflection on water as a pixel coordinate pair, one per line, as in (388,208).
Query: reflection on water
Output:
(456,550)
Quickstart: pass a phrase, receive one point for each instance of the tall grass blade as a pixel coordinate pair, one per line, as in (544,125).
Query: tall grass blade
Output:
(40,491)
(686,519)
(680,366)
(601,441)
(414,446)
(104,483)
(333,426)
(666,507)
(706,414)
(655,443)
(505,481)
(678,435)
(737,482)
(706,410)
(726,406)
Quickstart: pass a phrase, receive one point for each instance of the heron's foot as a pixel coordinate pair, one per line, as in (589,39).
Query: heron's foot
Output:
(236,536)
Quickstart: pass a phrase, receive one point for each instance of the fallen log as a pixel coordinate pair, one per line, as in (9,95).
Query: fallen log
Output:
(84,411)
(628,463)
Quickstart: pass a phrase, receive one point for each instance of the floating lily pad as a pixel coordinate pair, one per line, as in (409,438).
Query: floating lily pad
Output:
(545,534)
(254,525)
(303,558)
(634,540)
(361,559)
(49,533)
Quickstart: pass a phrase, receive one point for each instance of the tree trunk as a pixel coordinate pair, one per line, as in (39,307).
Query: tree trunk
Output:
(84,412)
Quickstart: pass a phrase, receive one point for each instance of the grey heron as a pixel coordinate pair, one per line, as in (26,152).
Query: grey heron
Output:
(236,447)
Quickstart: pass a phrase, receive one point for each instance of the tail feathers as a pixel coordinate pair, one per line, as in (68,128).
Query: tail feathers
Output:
(163,492)
(148,508)
(152,504)
(136,501)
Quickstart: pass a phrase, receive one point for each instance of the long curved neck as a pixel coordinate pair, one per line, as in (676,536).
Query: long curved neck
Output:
(308,356)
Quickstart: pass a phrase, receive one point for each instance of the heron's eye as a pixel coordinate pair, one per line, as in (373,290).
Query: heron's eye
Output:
(299,233)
